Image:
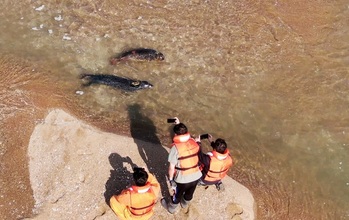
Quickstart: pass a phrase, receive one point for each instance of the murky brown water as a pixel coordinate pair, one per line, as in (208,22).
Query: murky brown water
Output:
(271,77)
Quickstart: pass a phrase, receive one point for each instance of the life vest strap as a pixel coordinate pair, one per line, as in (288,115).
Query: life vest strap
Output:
(186,157)
(186,168)
(218,171)
(133,208)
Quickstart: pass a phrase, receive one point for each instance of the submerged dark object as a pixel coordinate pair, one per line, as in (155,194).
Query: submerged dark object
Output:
(140,54)
(125,84)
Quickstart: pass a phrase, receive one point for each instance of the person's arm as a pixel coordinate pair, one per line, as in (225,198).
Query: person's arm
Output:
(233,161)
(154,183)
(173,160)
(176,121)
(201,154)
(204,159)
(205,162)
(117,204)
(210,139)
(171,171)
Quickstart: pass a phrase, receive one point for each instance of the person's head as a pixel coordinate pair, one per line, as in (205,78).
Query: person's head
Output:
(140,176)
(220,146)
(180,129)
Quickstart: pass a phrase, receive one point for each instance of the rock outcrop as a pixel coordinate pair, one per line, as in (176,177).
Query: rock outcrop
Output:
(75,168)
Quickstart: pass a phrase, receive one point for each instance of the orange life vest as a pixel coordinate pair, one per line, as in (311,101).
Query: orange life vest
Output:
(142,199)
(219,165)
(188,151)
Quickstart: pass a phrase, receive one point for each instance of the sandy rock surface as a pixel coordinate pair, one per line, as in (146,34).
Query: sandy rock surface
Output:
(75,168)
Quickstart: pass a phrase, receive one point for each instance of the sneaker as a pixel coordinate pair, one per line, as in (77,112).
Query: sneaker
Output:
(201,183)
(184,203)
(169,206)
(219,186)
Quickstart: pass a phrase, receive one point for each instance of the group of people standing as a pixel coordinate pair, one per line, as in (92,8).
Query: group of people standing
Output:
(188,168)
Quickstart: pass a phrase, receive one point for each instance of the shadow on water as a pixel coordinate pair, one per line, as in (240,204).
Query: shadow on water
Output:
(154,156)
(120,178)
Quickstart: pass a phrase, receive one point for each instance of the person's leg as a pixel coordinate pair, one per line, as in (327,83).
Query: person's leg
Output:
(219,186)
(188,193)
(172,205)
(189,190)
(180,190)
(201,183)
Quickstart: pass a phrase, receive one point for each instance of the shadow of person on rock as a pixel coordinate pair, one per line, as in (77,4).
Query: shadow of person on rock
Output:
(154,156)
(120,178)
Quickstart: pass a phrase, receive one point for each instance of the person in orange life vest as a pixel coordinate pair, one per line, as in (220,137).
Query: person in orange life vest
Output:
(183,171)
(138,201)
(214,164)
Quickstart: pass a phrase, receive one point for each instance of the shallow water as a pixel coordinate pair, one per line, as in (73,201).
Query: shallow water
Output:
(270,77)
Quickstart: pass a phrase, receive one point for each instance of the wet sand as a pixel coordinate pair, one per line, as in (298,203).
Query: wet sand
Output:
(20,110)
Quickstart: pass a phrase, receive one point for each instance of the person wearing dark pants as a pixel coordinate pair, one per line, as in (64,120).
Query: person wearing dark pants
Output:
(183,170)
(214,164)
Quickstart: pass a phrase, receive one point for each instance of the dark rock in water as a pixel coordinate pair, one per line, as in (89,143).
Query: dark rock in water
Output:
(125,84)
(140,54)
